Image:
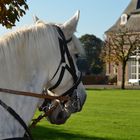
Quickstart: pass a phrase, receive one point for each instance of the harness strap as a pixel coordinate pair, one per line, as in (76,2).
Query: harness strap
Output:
(62,52)
(59,80)
(69,92)
(63,44)
(40,117)
(31,94)
(71,67)
(66,67)
(18,118)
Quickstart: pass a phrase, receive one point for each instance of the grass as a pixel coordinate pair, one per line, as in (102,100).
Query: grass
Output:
(107,115)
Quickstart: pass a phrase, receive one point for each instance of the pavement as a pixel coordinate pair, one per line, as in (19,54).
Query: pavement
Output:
(111,87)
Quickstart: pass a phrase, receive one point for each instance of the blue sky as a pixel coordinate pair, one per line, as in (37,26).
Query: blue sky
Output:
(96,16)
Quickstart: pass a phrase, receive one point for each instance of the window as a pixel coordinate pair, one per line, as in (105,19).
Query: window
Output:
(133,69)
(123,19)
(138,4)
(134,76)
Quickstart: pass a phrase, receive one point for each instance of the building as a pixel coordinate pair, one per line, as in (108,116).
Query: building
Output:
(130,18)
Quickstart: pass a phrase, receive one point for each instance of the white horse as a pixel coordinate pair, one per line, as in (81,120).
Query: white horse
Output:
(30,59)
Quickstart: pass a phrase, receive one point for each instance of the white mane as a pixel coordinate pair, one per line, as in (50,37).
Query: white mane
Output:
(26,45)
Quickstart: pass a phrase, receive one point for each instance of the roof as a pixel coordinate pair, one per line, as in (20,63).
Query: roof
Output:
(133,18)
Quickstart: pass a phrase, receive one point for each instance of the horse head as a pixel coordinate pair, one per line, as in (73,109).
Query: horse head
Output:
(66,80)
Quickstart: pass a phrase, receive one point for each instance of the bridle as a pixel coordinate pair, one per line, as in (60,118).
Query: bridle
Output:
(70,67)
(66,64)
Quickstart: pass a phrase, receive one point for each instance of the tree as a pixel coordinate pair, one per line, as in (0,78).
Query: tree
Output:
(11,11)
(93,46)
(119,47)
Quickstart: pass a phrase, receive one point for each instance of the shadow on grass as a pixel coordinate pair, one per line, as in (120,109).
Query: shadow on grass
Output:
(43,133)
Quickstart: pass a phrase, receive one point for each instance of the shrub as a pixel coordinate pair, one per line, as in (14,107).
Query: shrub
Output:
(94,79)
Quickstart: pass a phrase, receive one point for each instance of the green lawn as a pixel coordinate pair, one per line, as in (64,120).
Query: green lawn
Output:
(107,115)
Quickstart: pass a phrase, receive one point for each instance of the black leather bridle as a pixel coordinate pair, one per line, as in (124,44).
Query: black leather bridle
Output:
(64,66)
(28,135)
(70,67)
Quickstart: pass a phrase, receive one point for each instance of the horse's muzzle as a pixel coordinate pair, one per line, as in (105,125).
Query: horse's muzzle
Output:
(63,110)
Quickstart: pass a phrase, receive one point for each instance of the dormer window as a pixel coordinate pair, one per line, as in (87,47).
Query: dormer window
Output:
(124,18)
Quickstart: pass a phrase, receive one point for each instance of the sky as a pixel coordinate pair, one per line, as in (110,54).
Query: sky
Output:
(96,16)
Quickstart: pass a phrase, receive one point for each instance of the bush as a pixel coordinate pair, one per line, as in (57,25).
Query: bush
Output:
(112,79)
(94,79)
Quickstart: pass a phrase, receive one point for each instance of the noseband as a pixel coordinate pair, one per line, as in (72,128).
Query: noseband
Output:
(64,66)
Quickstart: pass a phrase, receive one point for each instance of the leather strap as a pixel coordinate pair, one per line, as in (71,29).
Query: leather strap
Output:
(18,118)
(31,94)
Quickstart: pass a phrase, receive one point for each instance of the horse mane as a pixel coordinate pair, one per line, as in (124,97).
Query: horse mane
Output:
(24,51)
(23,34)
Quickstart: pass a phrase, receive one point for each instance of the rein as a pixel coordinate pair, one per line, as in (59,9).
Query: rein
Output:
(18,118)
(35,95)
(34,121)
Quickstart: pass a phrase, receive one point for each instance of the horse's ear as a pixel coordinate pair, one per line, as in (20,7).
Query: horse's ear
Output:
(69,27)
(35,18)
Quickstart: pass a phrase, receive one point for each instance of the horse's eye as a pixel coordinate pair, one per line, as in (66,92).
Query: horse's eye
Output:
(76,55)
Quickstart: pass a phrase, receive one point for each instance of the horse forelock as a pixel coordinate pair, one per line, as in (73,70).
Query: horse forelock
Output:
(24,33)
